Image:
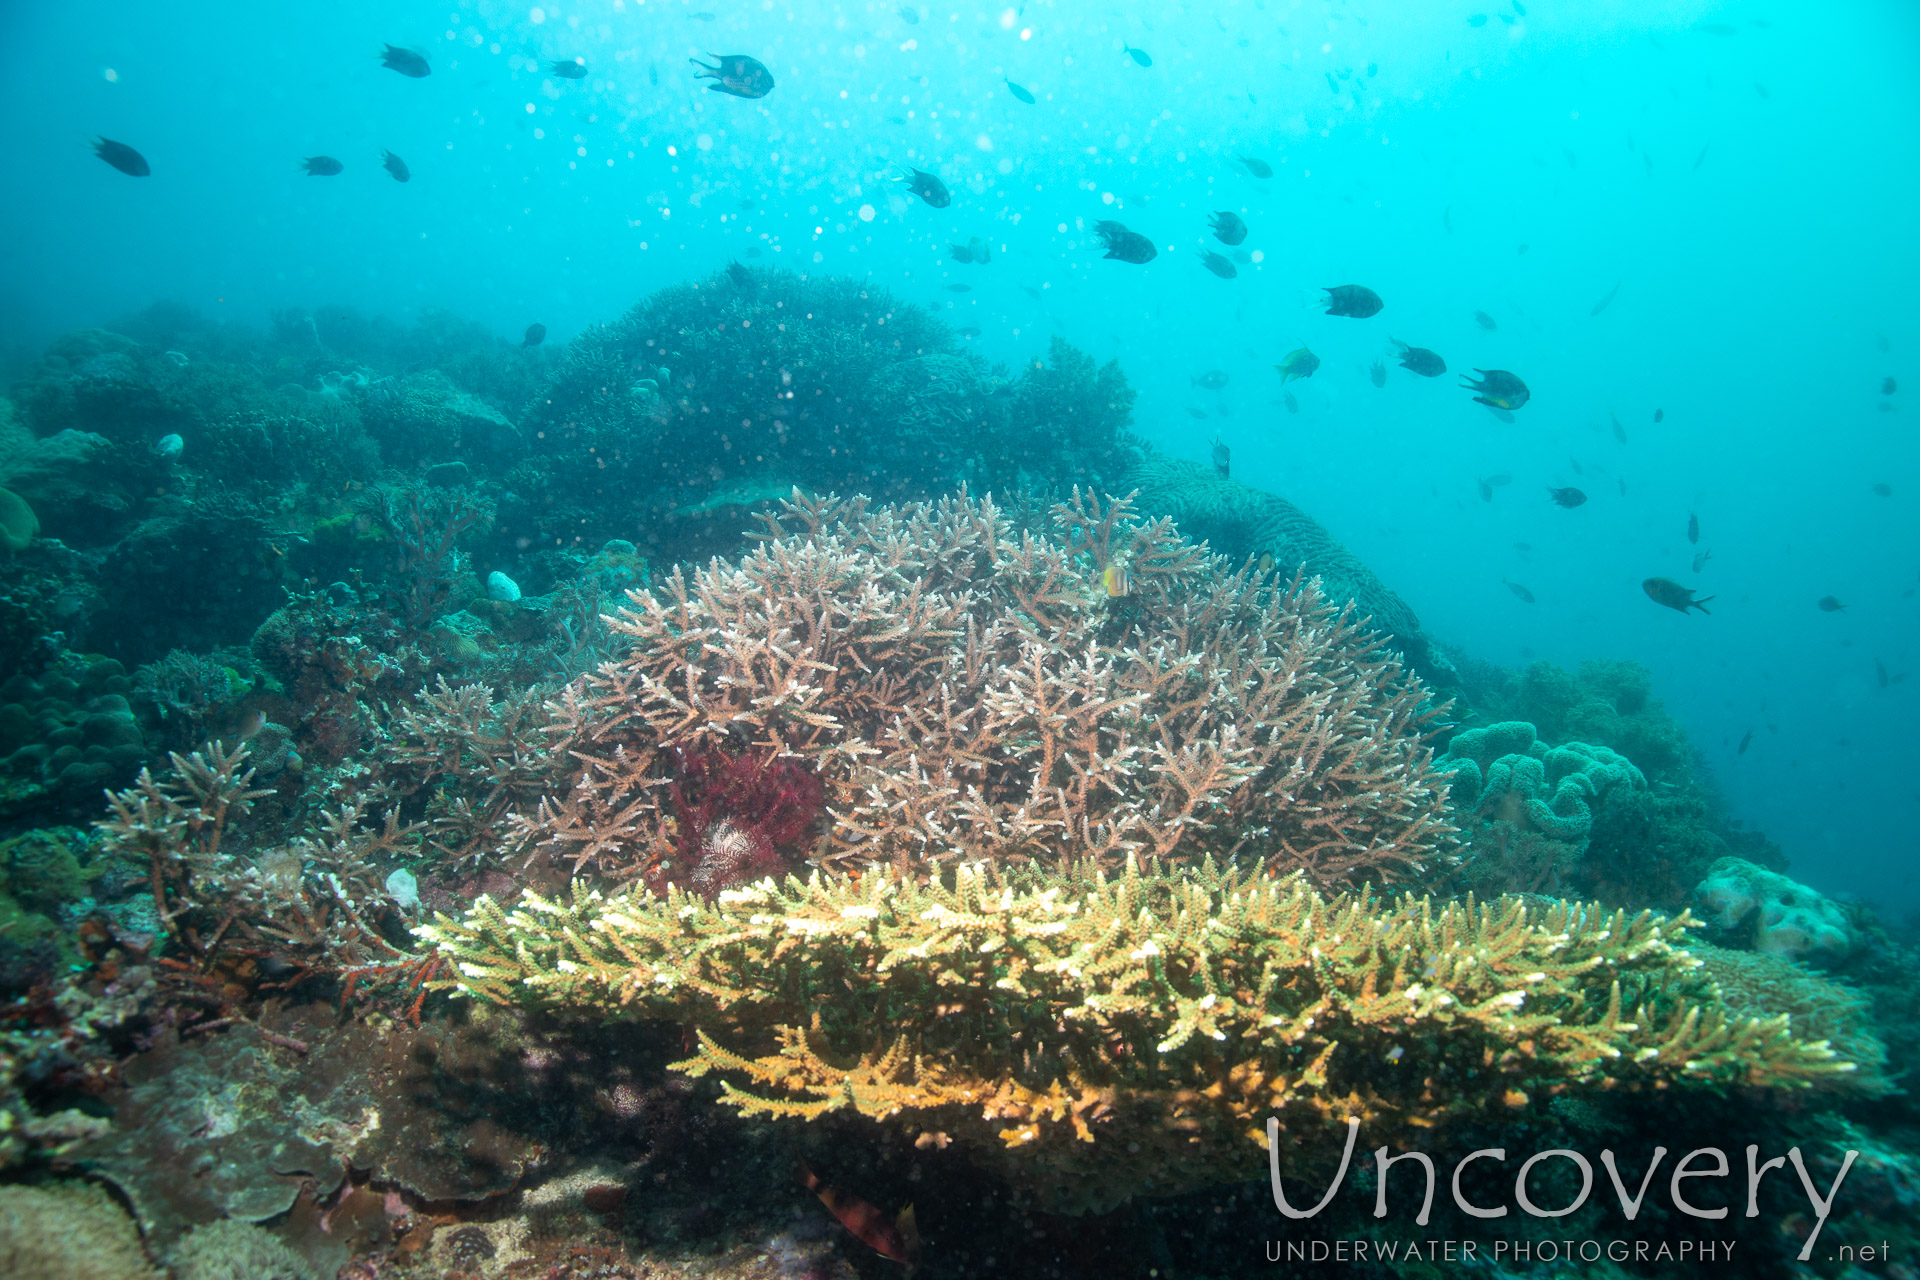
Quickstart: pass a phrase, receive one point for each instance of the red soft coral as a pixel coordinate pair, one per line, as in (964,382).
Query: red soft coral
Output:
(740,816)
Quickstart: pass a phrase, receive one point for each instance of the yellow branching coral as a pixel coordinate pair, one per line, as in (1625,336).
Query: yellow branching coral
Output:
(1100,1036)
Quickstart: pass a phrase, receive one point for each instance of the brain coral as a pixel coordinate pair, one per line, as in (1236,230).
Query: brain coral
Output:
(966,691)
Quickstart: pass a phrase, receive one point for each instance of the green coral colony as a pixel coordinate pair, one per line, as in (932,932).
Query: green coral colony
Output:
(1029,824)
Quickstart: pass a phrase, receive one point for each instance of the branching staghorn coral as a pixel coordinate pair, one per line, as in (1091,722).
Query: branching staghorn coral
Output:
(424,528)
(477,757)
(1243,522)
(964,692)
(314,904)
(1100,1036)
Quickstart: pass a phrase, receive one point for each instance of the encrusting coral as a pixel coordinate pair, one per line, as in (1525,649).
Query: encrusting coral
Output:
(962,691)
(1100,1036)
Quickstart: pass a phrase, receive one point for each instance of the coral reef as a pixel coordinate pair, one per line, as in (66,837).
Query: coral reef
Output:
(64,1026)
(1088,828)
(962,693)
(426,418)
(318,903)
(199,483)
(45,874)
(1097,1037)
(192,577)
(286,1105)
(705,385)
(233,1250)
(66,735)
(1528,810)
(1647,845)
(473,762)
(105,382)
(1503,773)
(73,1231)
(79,486)
(1067,424)
(1608,703)
(741,383)
(1244,524)
(1766,912)
(192,697)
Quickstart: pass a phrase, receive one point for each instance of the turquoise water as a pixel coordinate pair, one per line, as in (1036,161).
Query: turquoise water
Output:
(1733,182)
(237,509)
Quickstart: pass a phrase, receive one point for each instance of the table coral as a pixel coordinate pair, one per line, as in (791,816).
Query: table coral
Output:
(425,417)
(1098,1037)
